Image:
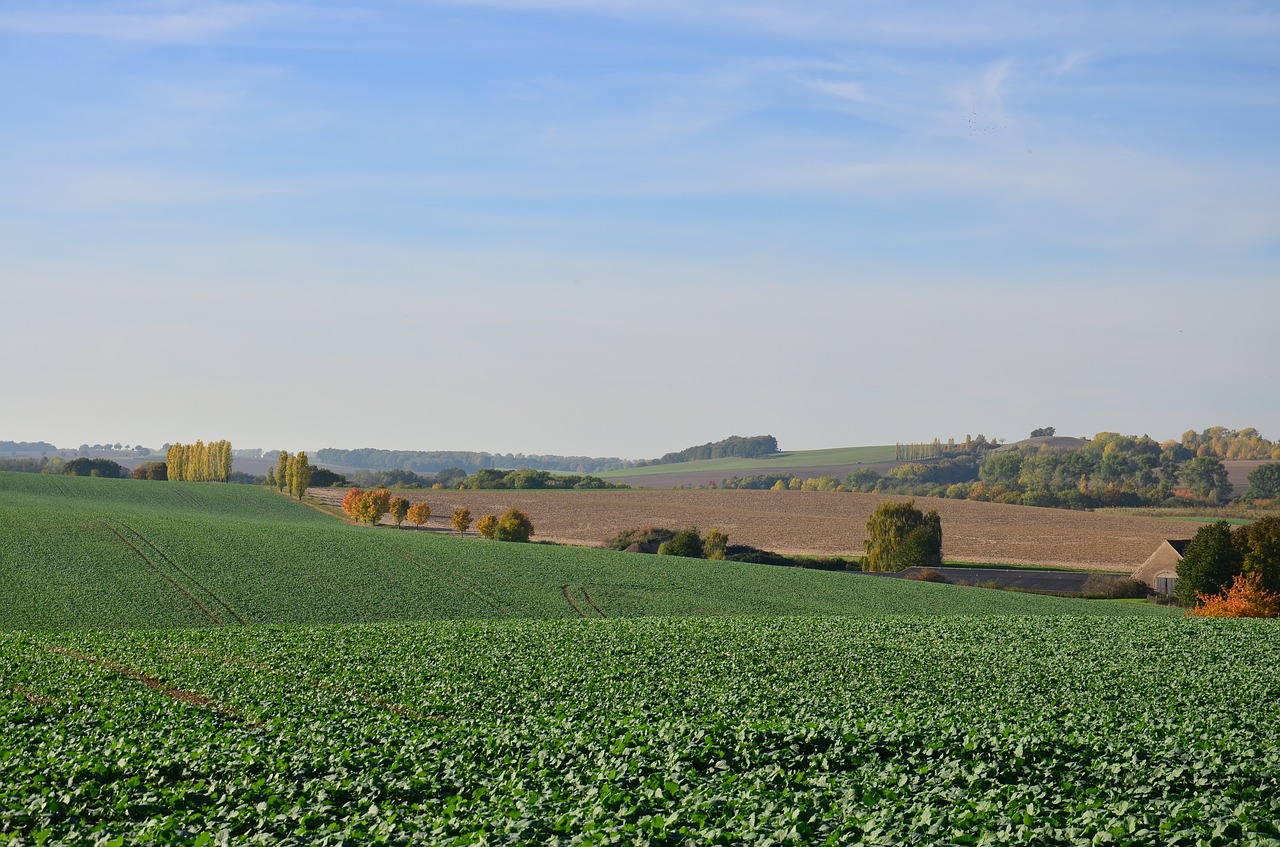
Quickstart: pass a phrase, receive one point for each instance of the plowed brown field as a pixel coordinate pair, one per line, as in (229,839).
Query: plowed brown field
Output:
(820,523)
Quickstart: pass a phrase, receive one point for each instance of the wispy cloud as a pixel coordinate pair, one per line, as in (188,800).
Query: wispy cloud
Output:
(165,22)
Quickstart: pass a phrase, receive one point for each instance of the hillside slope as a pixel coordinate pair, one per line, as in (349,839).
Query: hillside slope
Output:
(99,553)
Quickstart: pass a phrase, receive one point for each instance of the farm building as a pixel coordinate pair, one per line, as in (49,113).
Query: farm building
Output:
(1160,570)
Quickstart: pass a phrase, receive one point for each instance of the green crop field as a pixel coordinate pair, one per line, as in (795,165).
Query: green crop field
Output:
(102,553)
(896,730)
(782,462)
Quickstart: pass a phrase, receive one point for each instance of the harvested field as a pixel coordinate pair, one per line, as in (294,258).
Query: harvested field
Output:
(819,523)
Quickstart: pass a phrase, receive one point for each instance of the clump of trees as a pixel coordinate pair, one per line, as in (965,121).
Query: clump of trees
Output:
(199,462)
(899,536)
(747,447)
(1219,553)
(94,467)
(514,525)
(151,470)
(366,506)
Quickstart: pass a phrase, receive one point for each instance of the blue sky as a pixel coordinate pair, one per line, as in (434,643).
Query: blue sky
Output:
(620,228)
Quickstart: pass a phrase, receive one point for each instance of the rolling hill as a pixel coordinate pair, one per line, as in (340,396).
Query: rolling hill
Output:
(100,553)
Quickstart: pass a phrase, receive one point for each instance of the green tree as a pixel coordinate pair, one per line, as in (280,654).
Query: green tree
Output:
(1207,478)
(1264,482)
(282,474)
(899,535)
(1259,548)
(1208,564)
(514,525)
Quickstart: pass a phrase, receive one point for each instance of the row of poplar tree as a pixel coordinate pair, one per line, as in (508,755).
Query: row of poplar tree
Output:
(199,462)
(291,473)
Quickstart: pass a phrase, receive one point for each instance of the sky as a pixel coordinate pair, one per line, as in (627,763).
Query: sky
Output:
(623,227)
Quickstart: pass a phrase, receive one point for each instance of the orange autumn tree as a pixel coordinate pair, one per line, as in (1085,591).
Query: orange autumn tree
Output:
(419,512)
(1246,597)
(351,503)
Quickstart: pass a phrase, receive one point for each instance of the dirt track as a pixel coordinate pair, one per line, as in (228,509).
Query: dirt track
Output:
(821,523)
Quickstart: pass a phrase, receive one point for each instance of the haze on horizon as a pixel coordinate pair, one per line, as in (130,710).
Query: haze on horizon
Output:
(614,228)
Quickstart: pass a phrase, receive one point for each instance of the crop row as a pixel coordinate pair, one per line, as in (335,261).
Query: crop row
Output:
(739,730)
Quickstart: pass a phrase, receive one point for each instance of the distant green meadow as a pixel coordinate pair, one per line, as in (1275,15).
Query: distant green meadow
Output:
(215,664)
(782,461)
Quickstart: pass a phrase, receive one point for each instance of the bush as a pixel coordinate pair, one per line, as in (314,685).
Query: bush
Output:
(929,575)
(1104,587)
(646,539)
(1245,598)
(756,556)
(687,543)
(514,525)
(715,546)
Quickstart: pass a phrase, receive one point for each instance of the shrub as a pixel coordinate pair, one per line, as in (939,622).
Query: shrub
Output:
(487,526)
(715,546)
(687,543)
(514,525)
(1105,587)
(647,539)
(929,575)
(756,556)
(1245,598)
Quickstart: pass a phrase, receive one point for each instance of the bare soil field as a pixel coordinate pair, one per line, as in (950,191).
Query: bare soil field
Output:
(694,479)
(819,523)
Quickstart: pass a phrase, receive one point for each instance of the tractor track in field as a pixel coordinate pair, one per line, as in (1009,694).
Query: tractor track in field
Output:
(154,683)
(457,580)
(318,684)
(187,575)
(162,573)
(592,603)
(30,696)
(568,598)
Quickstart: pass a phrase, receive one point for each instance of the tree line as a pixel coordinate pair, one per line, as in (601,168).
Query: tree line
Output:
(434,461)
